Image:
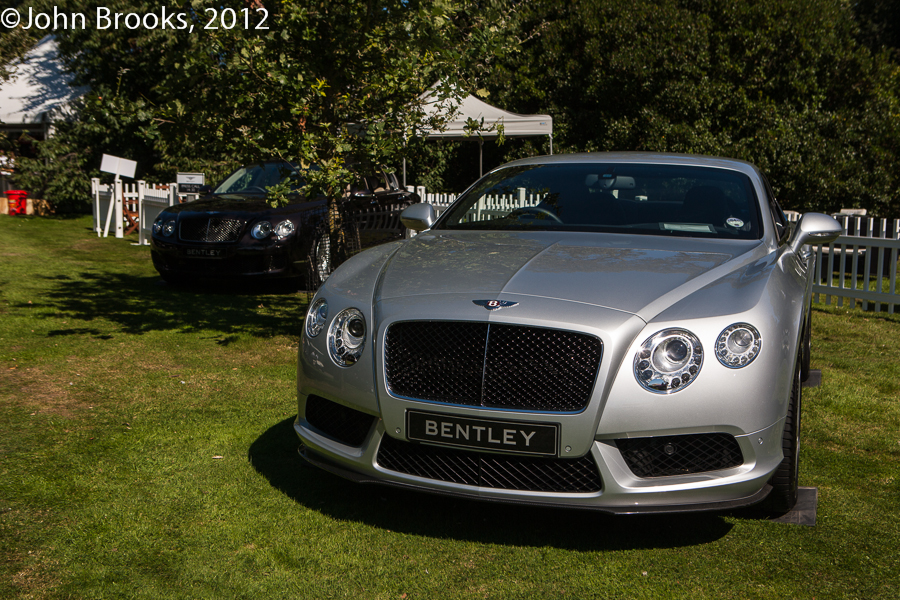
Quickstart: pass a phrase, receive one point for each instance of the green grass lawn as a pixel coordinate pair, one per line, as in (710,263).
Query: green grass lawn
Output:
(147,452)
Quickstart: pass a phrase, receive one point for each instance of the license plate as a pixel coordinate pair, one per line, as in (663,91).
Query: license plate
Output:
(498,436)
(205,252)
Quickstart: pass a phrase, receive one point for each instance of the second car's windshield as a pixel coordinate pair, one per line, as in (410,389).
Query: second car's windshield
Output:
(256,178)
(628,198)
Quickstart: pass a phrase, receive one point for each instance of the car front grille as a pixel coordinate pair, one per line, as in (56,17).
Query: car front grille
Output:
(209,229)
(680,454)
(494,471)
(491,365)
(340,423)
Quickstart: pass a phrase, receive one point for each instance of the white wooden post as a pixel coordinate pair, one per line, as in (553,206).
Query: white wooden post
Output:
(142,186)
(95,193)
(120,197)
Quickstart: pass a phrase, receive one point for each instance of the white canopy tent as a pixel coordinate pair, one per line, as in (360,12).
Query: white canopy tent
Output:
(457,115)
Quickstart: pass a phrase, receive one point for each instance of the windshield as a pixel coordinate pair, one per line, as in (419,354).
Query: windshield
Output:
(256,178)
(609,197)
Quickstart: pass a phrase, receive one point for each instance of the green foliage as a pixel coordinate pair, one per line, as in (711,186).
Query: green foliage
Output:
(59,175)
(781,83)
(809,90)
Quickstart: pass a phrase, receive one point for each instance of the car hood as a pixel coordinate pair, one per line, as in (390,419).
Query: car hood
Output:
(637,274)
(233,203)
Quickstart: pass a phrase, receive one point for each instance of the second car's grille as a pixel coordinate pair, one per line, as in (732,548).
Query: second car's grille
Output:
(210,229)
(343,424)
(495,471)
(680,454)
(492,365)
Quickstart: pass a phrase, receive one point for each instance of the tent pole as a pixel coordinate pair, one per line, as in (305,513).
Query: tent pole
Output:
(551,144)
(480,157)
(404,172)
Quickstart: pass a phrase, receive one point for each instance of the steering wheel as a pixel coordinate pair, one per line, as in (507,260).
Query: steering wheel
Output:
(534,212)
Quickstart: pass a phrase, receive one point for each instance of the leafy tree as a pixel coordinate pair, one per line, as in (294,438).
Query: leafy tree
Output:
(329,83)
(782,83)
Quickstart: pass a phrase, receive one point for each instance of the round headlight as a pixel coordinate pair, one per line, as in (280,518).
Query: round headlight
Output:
(668,361)
(738,345)
(157,225)
(347,337)
(169,228)
(284,229)
(316,317)
(261,230)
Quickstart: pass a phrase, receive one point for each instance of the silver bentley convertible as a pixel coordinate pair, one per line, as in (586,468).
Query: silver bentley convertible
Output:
(624,332)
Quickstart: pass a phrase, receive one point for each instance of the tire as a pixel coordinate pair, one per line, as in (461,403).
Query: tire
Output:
(785,480)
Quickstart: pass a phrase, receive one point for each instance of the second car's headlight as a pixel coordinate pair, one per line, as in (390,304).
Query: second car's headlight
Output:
(738,345)
(347,337)
(668,361)
(261,230)
(284,229)
(168,228)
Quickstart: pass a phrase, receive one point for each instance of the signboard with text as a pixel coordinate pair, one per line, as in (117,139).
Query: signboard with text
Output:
(190,183)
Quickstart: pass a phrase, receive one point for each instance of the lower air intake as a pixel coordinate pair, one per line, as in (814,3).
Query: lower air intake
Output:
(342,424)
(680,454)
(495,471)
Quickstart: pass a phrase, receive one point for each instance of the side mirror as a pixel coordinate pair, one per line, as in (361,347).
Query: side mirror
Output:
(418,217)
(815,228)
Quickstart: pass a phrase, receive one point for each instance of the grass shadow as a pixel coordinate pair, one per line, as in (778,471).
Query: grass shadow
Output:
(138,304)
(274,455)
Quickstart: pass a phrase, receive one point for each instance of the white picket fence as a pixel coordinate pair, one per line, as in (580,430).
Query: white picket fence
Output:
(860,266)
(112,200)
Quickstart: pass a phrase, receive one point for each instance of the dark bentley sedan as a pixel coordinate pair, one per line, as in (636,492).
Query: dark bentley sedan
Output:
(232,232)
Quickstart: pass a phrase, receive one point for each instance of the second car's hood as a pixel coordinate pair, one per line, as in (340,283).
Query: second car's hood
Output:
(621,272)
(237,203)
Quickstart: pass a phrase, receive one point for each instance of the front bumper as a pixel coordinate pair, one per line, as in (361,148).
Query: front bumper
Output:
(217,261)
(615,489)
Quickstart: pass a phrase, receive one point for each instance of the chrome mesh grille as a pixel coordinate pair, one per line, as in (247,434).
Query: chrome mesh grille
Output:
(494,471)
(492,365)
(680,454)
(210,229)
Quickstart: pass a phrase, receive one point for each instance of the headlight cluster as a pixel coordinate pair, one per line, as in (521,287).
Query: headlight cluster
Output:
(264,229)
(346,335)
(670,360)
(738,345)
(164,225)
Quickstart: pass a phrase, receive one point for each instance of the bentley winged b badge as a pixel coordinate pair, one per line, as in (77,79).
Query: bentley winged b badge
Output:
(494,304)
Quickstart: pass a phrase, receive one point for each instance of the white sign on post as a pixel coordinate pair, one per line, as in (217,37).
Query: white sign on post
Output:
(118,166)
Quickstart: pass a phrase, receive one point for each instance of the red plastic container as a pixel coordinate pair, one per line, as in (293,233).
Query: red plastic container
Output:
(17,201)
